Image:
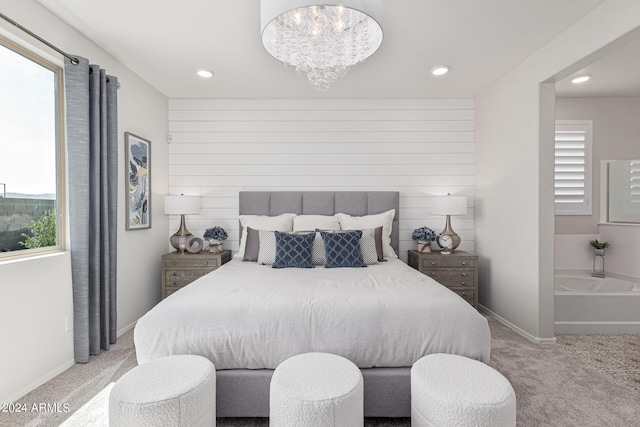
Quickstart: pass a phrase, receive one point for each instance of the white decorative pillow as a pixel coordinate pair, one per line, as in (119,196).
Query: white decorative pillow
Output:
(368,246)
(318,255)
(313,222)
(267,252)
(385,219)
(282,222)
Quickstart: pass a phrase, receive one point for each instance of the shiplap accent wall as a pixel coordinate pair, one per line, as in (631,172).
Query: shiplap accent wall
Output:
(421,148)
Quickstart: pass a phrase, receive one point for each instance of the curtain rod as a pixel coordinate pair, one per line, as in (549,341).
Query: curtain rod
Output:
(73,59)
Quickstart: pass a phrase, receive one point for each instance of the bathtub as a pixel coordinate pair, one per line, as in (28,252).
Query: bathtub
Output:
(590,305)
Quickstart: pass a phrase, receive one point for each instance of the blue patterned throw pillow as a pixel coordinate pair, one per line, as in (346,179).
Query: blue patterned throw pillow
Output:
(293,250)
(343,249)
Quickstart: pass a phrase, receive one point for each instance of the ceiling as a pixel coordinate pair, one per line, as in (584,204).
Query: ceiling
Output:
(165,42)
(617,74)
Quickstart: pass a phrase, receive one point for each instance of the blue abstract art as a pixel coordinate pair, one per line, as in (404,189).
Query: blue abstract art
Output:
(138,182)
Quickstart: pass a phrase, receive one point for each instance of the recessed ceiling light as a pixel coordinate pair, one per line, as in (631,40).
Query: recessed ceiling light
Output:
(440,70)
(580,79)
(205,74)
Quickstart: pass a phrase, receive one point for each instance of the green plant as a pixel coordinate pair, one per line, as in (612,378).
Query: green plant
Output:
(43,231)
(599,245)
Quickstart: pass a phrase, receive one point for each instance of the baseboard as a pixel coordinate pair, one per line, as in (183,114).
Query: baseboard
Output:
(126,329)
(590,327)
(37,383)
(518,330)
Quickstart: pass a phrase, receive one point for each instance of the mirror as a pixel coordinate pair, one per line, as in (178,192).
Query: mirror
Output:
(624,191)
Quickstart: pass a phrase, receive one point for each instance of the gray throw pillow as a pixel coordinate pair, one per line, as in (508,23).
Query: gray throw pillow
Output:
(253,245)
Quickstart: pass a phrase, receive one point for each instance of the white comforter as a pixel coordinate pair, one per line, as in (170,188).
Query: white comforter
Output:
(245,315)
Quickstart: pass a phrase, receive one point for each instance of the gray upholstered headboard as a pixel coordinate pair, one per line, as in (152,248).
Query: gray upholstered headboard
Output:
(356,203)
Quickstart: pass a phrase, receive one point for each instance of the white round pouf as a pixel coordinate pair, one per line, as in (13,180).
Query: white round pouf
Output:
(450,390)
(316,390)
(170,391)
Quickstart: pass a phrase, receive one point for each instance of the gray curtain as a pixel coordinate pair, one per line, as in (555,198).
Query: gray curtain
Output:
(92,143)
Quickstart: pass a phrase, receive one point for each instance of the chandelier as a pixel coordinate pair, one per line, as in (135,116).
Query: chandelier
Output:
(321,41)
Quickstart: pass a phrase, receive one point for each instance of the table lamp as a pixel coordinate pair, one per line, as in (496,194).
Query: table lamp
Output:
(181,205)
(449,205)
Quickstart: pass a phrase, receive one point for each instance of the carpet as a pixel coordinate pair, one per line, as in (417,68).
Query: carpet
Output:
(94,413)
(616,355)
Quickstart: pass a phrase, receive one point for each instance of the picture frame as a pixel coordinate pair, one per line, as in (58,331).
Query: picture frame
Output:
(138,182)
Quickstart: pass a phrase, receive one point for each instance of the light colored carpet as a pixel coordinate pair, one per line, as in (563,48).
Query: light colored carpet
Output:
(617,355)
(94,413)
(558,385)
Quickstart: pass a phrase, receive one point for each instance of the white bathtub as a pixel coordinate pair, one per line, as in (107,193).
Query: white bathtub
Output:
(582,282)
(586,304)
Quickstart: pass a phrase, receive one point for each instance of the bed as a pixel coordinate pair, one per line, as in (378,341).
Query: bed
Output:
(247,317)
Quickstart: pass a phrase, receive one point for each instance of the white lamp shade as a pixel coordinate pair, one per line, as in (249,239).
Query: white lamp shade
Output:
(182,205)
(449,205)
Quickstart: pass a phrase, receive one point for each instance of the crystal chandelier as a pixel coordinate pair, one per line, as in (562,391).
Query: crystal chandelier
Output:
(322,41)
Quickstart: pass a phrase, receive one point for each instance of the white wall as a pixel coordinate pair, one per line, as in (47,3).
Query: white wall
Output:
(616,131)
(418,147)
(35,294)
(573,252)
(514,161)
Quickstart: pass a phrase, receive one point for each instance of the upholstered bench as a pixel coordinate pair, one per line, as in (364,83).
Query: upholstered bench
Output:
(316,390)
(170,391)
(450,390)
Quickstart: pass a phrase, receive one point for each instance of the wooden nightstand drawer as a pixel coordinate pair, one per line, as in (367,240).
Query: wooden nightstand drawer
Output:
(179,282)
(190,275)
(449,262)
(192,263)
(453,278)
(171,289)
(468,296)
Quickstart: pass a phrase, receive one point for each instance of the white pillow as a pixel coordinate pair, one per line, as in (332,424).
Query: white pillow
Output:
(282,222)
(267,253)
(313,222)
(368,246)
(318,254)
(385,219)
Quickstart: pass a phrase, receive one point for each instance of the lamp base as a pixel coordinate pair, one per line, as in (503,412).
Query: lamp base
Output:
(180,238)
(451,239)
(179,241)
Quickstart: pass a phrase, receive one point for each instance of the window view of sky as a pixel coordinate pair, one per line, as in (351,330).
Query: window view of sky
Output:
(27,125)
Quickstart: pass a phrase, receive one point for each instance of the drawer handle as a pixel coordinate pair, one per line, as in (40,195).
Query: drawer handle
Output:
(433,274)
(206,263)
(175,262)
(175,283)
(433,263)
(464,263)
(464,274)
(463,284)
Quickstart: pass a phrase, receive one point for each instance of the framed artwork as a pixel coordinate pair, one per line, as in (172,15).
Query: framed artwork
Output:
(138,181)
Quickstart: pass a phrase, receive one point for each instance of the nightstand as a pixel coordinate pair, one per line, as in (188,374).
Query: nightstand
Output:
(180,269)
(457,271)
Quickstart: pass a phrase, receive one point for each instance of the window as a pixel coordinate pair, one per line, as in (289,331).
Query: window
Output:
(31,156)
(573,167)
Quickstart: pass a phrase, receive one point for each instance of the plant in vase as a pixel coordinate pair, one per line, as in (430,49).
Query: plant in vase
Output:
(215,236)
(424,236)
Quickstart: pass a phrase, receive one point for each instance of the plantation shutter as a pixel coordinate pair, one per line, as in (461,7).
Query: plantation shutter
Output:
(573,167)
(635,181)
